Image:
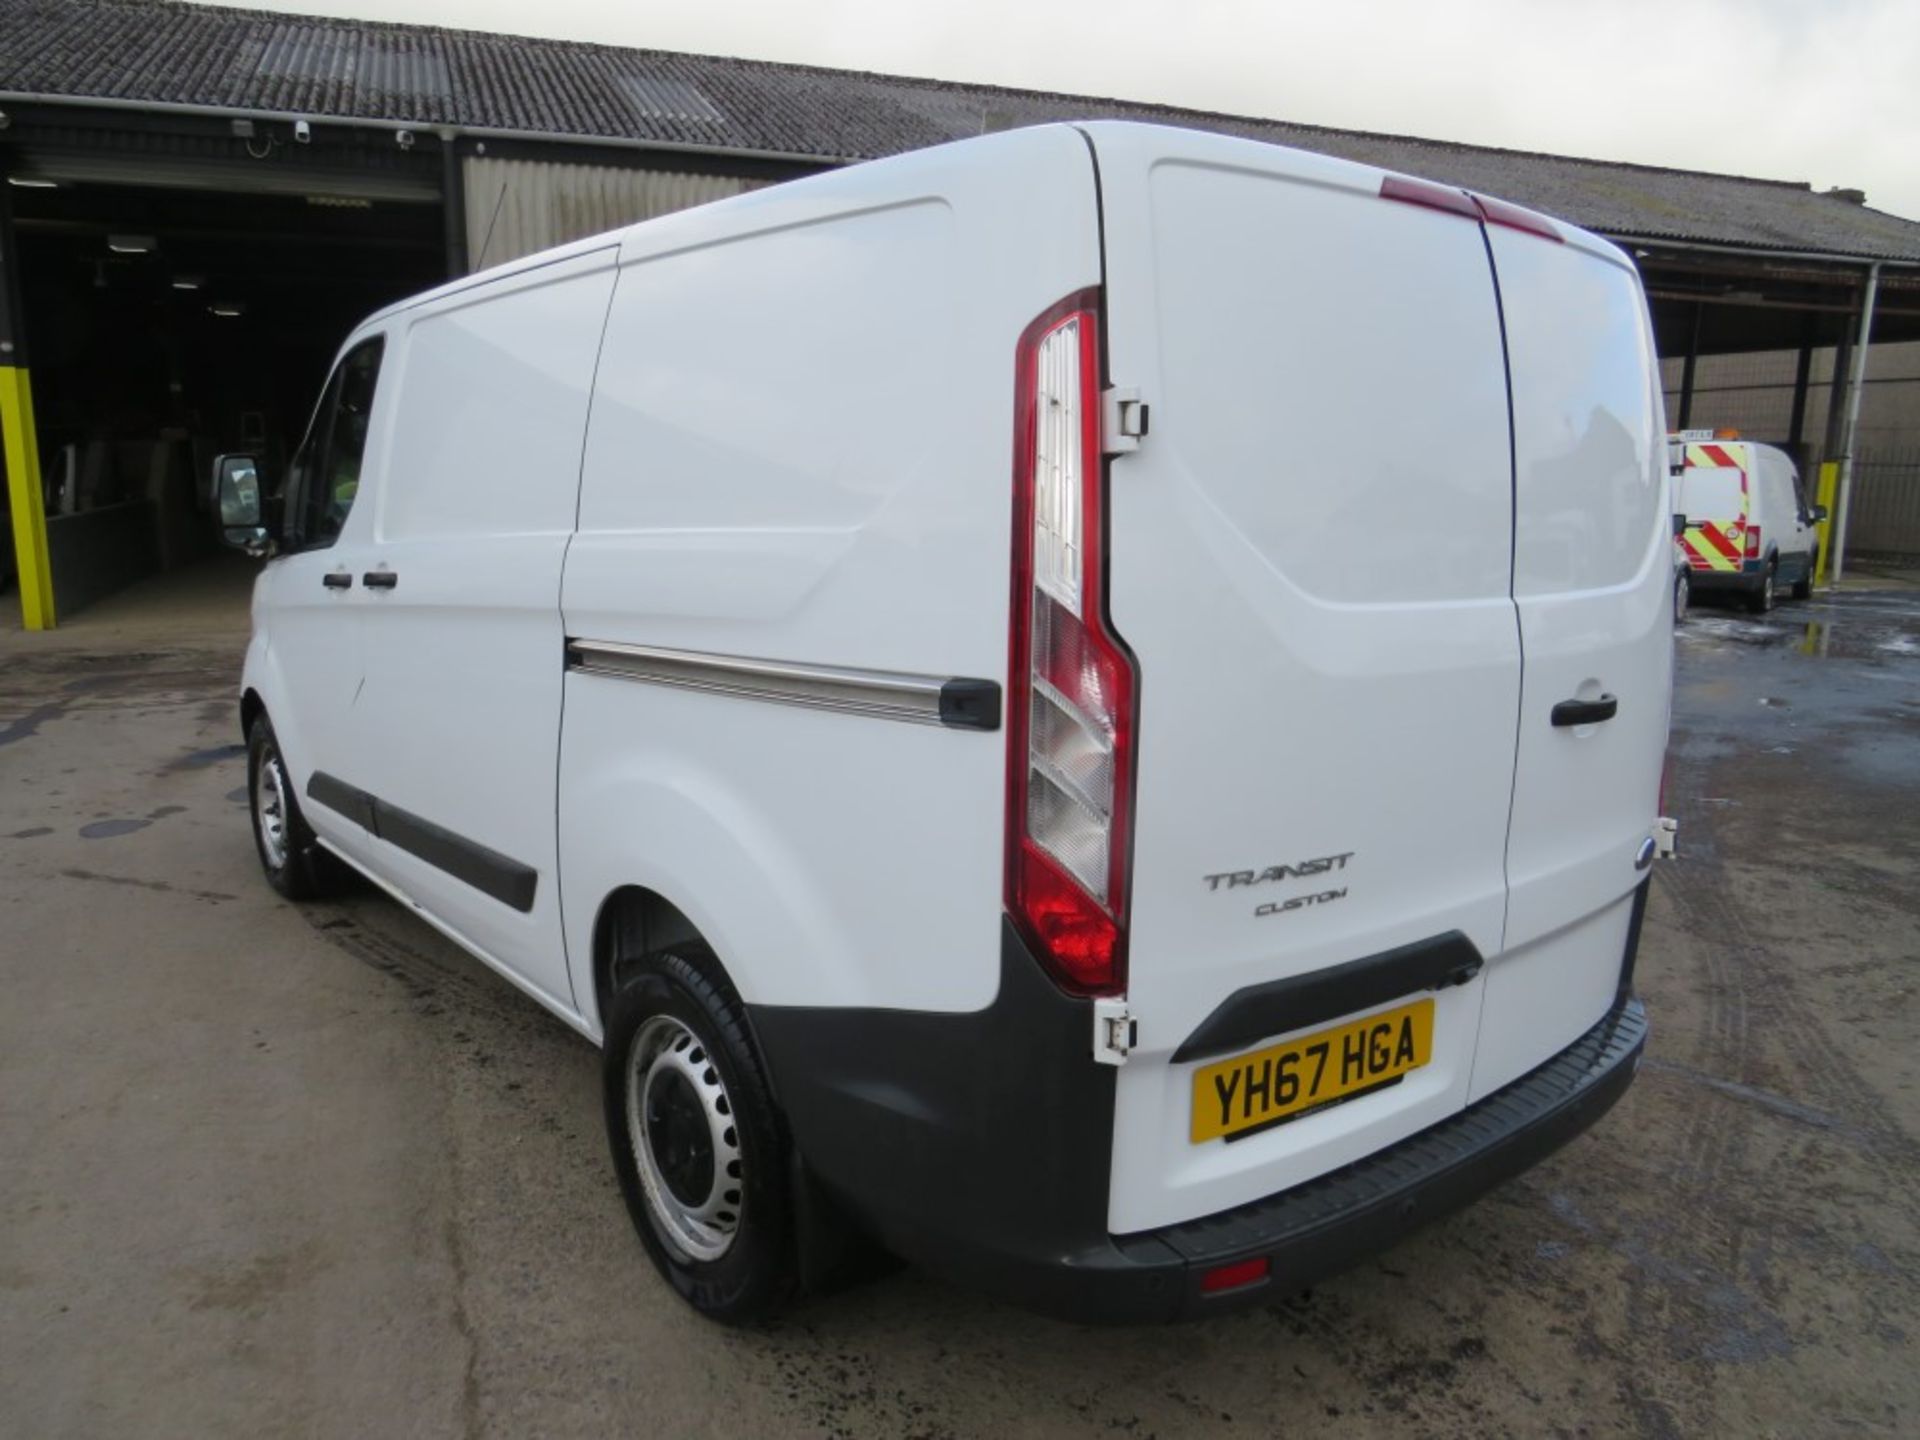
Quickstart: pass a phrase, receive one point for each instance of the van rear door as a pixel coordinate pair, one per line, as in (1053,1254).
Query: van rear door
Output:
(1714,496)
(1591,581)
(1310,558)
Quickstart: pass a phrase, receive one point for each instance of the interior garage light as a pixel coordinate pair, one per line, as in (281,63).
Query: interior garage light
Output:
(131,244)
(227,309)
(188,282)
(32,182)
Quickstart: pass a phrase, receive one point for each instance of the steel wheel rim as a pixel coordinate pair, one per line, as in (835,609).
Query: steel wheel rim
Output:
(686,1146)
(270,809)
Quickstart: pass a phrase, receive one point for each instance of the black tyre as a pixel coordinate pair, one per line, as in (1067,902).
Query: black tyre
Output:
(1761,600)
(698,1144)
(1682,595)
(293,860)
(1803,587)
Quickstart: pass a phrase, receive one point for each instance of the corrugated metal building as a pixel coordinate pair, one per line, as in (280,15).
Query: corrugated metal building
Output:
(270,178)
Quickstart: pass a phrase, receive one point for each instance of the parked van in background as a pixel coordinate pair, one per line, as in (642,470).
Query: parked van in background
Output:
(1748,527)
(944,672)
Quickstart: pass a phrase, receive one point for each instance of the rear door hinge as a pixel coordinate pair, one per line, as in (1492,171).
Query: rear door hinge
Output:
(1123,419)
(1115,1032)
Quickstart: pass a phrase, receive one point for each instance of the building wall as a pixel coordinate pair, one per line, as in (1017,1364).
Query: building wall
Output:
(515,207)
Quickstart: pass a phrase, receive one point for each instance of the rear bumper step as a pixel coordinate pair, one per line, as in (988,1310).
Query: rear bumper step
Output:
(965,1145)
(1325,1225)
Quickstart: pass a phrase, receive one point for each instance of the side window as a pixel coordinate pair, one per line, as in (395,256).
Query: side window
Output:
(325,474)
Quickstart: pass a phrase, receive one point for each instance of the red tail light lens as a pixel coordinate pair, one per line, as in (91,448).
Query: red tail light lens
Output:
(1236,1276)
(1753,542)
(1070,716)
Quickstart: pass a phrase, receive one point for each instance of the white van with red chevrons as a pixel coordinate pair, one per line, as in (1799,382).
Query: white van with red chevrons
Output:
(1087,704)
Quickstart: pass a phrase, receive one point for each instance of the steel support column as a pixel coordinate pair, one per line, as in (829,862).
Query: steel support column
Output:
(453,205)
(1802,372)
(1686,369)
(26,500)
(1854,386)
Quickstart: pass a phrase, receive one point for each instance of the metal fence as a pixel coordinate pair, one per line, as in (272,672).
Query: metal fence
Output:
(1885,518)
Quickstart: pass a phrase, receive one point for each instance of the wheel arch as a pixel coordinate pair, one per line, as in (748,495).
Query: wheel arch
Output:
(634,921)
(252,707)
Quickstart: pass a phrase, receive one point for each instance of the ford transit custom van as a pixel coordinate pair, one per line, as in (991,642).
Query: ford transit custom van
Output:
(1087,705)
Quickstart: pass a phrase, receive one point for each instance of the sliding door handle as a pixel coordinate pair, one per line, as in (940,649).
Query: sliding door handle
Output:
(1585,712)
(380,579)
(337,580)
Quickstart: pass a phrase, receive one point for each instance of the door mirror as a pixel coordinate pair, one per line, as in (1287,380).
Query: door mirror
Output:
(1817,514)
(236,490)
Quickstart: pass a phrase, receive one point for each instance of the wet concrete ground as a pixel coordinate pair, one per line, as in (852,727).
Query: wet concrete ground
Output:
(274,1170)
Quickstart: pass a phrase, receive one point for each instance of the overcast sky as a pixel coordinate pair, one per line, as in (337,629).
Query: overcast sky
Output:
(1826,91)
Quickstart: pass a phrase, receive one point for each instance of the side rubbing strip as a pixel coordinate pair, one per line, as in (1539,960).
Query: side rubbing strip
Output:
(1258,1011)
(883,694)
(487,871)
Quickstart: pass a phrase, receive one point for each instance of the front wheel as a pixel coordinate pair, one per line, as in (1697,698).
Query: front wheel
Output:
(1803,587)
(698,1145)
(1682,594)
(288,852)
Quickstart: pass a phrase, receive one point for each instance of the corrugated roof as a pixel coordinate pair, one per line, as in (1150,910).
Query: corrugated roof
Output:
(166,52)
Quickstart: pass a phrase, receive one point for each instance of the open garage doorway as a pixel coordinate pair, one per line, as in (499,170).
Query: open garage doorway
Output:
(169,325)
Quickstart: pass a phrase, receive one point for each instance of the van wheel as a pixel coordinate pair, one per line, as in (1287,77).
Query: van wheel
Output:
(1682,593)
(697,1142)
(1803,587)
(1761,601)
(288,852)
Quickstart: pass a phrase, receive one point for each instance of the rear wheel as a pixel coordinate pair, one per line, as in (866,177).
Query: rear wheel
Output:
(1682,594)
(698,1145)
(1761,601)
(288,852)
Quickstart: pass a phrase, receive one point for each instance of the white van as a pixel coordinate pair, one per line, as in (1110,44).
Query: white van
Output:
(1748,527)
(1087,704)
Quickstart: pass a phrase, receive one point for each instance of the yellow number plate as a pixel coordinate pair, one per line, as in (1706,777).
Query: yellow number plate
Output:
(1249,1091)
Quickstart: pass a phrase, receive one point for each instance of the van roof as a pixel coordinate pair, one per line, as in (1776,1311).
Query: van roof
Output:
(703,221)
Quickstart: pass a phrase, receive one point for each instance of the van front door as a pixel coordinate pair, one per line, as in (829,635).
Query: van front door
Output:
(312,597)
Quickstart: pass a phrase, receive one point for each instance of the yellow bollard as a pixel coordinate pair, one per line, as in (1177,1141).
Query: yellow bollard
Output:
(1824,492)
(23,486)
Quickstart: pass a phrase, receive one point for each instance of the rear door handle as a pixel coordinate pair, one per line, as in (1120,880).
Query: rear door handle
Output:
(380,579)
(1585,712)
(337,580)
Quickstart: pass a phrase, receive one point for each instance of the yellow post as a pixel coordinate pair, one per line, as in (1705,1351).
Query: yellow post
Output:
(1824,493)
(28,508)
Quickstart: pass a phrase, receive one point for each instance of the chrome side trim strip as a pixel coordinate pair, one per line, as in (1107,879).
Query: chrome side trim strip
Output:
(881,694)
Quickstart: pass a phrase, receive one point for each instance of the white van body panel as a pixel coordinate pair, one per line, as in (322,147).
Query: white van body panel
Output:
(1317,592)
(1593,585)
(821,479)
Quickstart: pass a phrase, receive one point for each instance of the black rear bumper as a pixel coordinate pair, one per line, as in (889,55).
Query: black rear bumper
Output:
(966,1146)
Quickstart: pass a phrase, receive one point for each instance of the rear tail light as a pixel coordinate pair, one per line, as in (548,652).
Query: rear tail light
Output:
(1753,542)
(1070,716)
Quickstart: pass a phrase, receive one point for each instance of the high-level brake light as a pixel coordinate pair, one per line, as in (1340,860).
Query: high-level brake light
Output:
(1070,716)
(1468,206)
